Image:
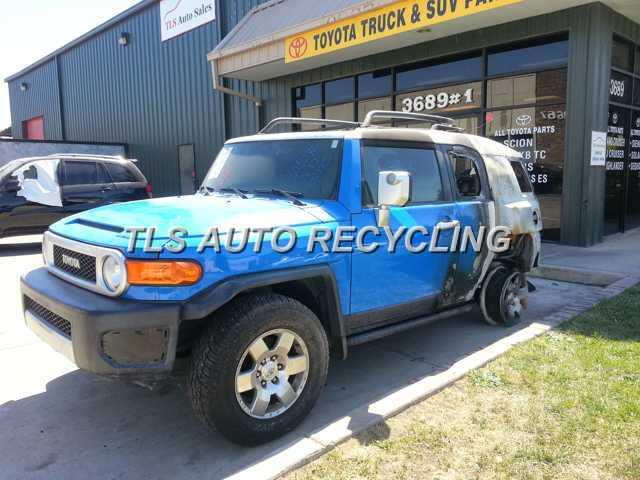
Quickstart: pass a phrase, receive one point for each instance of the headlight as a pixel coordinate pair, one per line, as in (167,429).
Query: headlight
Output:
(113,273)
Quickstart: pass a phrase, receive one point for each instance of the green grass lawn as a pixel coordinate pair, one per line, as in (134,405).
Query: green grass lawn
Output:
(565,405)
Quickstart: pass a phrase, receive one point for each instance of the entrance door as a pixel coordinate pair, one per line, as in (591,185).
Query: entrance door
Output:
(33,129)
(617,141)
(187,164)
(632,219)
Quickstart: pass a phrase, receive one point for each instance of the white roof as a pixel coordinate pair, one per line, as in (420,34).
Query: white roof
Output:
(482,145)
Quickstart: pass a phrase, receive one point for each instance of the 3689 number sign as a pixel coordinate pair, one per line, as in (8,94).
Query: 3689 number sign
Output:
(435,101)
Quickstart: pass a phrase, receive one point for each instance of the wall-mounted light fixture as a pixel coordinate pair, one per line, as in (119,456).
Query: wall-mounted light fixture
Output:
(123,39)
(24,87)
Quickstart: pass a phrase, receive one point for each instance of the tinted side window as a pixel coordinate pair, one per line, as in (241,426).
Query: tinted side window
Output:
(80,173)
(120,173)
(521,175)
(421,163)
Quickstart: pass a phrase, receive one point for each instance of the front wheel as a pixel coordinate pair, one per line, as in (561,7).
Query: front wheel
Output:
(258,371)
(501,301)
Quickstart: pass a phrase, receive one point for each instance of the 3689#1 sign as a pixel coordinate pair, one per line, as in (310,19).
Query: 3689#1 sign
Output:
(180,16)
(398,17)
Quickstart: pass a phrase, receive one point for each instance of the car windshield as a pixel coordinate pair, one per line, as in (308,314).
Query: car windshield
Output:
(6,169)
(305,168)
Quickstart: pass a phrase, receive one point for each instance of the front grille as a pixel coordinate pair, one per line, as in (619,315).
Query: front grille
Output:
(75,263)
(56,321)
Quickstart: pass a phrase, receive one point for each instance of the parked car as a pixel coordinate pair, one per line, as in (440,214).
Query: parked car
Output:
(36,192)
(260,325)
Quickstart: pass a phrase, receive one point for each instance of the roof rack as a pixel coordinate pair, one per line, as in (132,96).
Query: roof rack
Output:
(308,121)
(447,128)
(435,120)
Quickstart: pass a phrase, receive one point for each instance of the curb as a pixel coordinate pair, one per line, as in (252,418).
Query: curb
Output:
(576,275)
(307,449)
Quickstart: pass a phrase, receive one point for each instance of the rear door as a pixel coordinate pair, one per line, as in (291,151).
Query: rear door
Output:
(85,185)
(475,211)
(391,287)
(129,183)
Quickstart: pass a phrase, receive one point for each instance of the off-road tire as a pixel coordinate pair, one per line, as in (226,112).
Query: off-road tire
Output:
(491,297)
(212,378)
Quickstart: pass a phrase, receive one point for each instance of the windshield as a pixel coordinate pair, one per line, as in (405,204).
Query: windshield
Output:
(5,170)
(307,167)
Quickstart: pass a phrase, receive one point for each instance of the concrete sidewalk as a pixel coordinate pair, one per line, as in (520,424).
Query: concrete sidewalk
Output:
(58,422)
(618,254)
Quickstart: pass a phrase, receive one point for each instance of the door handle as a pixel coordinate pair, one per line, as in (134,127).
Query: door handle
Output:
(448,225)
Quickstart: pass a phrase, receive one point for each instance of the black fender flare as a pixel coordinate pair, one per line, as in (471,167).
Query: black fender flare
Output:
(218,295)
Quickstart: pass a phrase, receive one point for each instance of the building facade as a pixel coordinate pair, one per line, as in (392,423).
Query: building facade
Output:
(547,78)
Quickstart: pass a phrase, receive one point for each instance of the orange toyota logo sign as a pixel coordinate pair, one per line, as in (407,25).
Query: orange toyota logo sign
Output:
(298,47)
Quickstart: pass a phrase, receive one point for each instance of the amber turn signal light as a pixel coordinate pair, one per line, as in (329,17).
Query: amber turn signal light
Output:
(163,273)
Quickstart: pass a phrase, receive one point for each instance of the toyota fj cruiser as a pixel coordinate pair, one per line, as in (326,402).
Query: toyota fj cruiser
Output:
(260,325)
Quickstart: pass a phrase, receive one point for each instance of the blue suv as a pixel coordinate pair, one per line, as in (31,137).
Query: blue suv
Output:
(369,222)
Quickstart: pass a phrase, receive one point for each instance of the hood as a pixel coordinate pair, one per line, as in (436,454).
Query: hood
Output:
(197,214)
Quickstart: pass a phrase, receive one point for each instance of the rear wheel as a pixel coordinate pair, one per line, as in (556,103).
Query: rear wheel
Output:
(258,371)
(500,299)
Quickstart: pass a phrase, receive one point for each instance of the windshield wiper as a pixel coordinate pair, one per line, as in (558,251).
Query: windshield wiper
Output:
(239,192)
(293,196)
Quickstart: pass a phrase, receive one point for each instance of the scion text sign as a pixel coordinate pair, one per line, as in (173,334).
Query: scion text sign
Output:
(180,16)
(391,20)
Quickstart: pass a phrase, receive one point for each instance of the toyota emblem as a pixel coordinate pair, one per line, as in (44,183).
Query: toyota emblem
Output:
(298,47)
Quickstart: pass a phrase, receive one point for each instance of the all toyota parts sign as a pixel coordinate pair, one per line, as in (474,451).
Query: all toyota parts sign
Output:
(180,16)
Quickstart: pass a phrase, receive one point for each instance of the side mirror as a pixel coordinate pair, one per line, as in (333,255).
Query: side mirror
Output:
(394,189)
(12,185)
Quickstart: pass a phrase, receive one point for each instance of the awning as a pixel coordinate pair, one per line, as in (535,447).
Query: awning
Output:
(282,37)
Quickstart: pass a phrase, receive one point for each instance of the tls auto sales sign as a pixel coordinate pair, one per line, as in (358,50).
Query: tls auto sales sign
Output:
(180,16)
(393,19)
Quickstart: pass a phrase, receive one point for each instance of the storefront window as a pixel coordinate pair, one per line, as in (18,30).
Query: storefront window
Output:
(375,84)
(309,101)
(538,133)
(309,95)
(310,112)
(622,55)
(526,110)
(636,93)
(527,57)
(343,111)
(366,106)
(431,73)
(339,91)
(637,60)
(544,87)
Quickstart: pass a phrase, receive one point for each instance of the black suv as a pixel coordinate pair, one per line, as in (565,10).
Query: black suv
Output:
(36,192)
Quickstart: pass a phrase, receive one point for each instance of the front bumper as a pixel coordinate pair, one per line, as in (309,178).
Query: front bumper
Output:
(106,336)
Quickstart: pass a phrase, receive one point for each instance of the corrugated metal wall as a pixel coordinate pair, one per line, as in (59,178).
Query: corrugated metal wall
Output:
(150,94)
(40,98)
